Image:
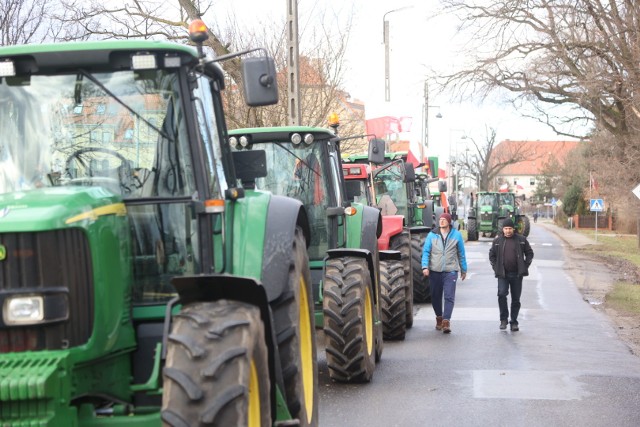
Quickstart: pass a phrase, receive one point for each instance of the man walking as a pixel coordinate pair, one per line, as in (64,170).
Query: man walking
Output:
(443,257)
(510,256)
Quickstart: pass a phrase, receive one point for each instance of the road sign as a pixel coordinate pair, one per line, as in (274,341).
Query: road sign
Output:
(636,191)
(596,205)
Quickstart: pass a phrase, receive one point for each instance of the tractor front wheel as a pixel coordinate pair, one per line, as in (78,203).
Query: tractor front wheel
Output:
(348,309)
(402,243)
(293,318)
(392,300)
(217,371)
(472,229)
(421,292)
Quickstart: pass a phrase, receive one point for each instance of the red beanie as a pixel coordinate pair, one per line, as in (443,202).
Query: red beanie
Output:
(447,217)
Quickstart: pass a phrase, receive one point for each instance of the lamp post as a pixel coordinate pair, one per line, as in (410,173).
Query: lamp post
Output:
(425,116)
(385,40)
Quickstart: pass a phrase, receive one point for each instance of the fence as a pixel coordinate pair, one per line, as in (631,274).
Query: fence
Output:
(589,221)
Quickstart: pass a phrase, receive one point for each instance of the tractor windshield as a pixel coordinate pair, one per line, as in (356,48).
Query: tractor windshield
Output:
(298,171)
(124,131)
(389,183)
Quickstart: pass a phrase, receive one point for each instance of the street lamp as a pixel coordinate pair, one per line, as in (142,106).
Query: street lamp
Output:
(385,40)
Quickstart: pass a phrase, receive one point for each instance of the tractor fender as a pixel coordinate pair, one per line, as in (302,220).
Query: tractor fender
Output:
(418,230)
(362,253)
(283,216)
(213,287)
(391,226)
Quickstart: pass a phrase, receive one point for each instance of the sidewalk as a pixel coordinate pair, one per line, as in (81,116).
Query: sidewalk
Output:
(572,238)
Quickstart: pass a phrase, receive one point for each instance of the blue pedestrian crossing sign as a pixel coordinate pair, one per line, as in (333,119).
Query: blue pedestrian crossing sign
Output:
(596,205)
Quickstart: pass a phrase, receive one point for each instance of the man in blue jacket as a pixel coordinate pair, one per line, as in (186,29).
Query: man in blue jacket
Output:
(443,257)
(510,256)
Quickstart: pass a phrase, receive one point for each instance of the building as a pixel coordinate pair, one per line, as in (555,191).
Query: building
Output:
(521,177)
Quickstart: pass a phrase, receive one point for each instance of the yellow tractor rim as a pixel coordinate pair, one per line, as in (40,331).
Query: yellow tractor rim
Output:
(368,319)
(306,350)
(254,416)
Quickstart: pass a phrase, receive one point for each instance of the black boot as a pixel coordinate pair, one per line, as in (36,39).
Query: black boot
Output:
(514,327)
(503,324)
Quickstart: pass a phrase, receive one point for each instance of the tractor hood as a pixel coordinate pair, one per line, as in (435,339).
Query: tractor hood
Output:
(56,207)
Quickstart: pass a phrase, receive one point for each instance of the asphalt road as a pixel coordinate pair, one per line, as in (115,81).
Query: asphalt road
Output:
(566,365)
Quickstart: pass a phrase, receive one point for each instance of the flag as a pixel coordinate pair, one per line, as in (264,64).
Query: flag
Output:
(411,158)
(388,125)
(504,188)
(405,123)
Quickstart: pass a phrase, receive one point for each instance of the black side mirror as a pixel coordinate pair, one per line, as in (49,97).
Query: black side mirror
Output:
(249,165)
(376,151)
(259,81)
(442,186)
(409,173)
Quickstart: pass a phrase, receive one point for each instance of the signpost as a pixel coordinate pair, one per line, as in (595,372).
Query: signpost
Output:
(596,205)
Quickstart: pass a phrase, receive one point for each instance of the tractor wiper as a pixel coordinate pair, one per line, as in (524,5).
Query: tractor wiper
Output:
(124,104)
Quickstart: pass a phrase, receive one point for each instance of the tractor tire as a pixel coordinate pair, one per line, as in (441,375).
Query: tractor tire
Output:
(421,291)
(377,322)
(526,225)
(472,230)
(402,243)
(293,319)
(216,370)
(393,300)
(348,309)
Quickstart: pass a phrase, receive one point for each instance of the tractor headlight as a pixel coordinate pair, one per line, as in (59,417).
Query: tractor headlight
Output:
(44,306)
(23,310)
(233,142)
(308,139)
(244,141)
(296,138)
(143,62)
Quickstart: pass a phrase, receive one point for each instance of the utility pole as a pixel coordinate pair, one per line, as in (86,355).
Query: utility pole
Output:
(293,69)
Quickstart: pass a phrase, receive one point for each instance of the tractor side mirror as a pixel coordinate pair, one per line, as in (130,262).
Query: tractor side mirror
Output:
(259,81)
(442,186)
(409,173)
(376,151)
(249,165)
(427,214)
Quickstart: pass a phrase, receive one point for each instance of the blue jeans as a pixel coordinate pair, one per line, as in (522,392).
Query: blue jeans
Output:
(443,284)
(513,281)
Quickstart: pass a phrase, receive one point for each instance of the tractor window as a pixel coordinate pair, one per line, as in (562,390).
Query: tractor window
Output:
(122,131)
(300,172)
(389,184)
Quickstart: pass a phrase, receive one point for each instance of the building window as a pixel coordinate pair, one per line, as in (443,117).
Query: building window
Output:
(532,181)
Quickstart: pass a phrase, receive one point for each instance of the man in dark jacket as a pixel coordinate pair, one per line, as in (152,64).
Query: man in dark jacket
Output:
(510,256)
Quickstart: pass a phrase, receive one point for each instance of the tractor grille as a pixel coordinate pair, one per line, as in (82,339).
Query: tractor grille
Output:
(36,262)
(486,216)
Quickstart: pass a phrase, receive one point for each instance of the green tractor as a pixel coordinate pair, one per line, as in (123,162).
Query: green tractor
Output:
(508,207)
(396,178)
(489,210)
(304,163)
(139,285)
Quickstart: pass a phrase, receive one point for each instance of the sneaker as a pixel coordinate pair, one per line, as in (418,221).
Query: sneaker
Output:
(514,327)
(446,326)
(503,324)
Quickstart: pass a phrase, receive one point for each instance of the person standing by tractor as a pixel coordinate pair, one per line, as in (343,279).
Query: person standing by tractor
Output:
(510,256)
(443,256)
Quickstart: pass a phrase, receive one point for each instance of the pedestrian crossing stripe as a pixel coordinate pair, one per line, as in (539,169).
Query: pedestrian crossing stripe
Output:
(596,205)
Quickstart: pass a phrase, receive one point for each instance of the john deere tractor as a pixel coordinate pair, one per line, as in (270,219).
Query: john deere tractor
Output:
(396,179)
(304,163)
(139,284)
(508,207)
(488,212)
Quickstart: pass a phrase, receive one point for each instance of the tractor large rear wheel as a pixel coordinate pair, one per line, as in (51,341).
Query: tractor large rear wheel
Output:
(348,309)
(472,229)
(293,318)
(392,300)
(402,243)
(216,371)
(421,291)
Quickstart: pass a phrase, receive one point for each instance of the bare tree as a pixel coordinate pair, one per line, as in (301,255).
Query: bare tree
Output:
(321,56)
(485,162)
(29,21)
(582,53)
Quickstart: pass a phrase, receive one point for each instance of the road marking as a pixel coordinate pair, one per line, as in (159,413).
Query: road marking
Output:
(531,385)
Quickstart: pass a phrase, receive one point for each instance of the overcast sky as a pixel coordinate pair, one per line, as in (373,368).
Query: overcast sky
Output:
(419,46)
